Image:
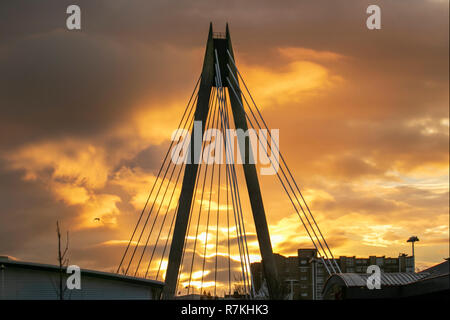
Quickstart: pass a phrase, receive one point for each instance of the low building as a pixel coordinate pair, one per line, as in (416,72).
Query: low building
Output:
(430,283)
(303,276)
(34,281)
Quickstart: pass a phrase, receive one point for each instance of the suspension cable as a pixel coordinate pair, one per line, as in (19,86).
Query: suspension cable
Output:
(218,211)
(161,203)
(168,206)
(210,197)
(189,220)
(282,171)
(282,183)
(236,188)
(167,240)
(151,209)
(199,214)
(284,162)
(241,220)
(157,177)
(228,175)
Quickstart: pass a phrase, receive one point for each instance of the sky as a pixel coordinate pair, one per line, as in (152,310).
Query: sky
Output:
(87,115)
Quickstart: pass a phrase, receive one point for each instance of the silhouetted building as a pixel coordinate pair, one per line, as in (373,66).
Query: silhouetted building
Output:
(21,280)
(303,276)
(430,283)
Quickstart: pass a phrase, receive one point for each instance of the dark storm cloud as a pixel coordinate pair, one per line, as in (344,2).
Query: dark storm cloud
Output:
(65,84)
(54,82)
(70,84)
(149,159)
(28,215)
(83,83)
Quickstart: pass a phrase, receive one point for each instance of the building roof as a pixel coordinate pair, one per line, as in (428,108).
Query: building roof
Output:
(7,261)
(438,270)
(387,279)
(433,281)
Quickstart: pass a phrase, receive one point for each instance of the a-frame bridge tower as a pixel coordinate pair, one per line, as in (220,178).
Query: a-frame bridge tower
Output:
(219,100)
(220,45)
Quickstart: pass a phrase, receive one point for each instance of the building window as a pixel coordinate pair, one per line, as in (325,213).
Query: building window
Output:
(391,261)
(303,278)
(304,294)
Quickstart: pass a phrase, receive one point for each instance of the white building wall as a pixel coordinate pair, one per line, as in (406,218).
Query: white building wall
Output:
(29,284)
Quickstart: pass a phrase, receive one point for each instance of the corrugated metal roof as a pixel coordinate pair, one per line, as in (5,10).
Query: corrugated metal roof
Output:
(387,279)
(439,269)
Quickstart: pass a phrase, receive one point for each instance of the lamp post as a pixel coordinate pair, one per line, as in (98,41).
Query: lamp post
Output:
(412,240)
(291,281)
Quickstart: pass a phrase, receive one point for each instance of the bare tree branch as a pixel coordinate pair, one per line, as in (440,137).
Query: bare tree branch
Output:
(62,260)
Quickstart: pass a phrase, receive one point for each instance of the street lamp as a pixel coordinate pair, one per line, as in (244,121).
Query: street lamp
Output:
(412,240)
(291,281)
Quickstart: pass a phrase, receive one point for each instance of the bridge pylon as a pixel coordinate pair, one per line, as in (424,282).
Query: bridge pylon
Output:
(220,44)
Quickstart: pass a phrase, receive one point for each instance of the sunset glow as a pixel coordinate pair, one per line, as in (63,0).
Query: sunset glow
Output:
(87,118)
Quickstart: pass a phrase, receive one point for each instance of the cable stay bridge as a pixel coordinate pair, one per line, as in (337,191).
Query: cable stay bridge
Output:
(193,232)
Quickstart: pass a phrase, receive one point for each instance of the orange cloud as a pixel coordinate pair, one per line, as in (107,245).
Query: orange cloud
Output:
(299,80)
(100,211)
(79,162)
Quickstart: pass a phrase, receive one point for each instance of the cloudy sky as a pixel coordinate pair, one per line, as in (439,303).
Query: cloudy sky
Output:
(86,117)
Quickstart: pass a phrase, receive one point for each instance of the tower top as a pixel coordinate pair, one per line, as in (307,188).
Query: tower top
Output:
(220,43)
